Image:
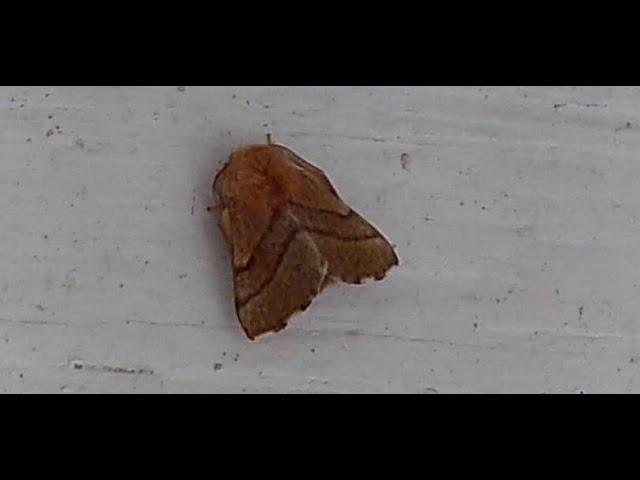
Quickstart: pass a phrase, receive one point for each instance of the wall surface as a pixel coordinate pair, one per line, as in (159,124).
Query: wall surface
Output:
(515,210)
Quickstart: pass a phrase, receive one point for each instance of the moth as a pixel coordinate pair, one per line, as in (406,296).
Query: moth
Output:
(290,236)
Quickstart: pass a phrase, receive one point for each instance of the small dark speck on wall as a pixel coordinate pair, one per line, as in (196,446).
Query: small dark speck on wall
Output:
(626,126)
(405,162)
(182,89)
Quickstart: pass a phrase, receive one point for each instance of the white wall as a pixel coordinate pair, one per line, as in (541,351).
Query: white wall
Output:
(524,278)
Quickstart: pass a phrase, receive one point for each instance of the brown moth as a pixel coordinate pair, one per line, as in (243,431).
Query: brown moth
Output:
(290,236)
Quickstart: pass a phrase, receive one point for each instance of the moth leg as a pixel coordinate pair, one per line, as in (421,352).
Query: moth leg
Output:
(225,225)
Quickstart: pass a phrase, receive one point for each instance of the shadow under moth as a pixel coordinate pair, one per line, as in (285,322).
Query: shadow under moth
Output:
(290,236)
